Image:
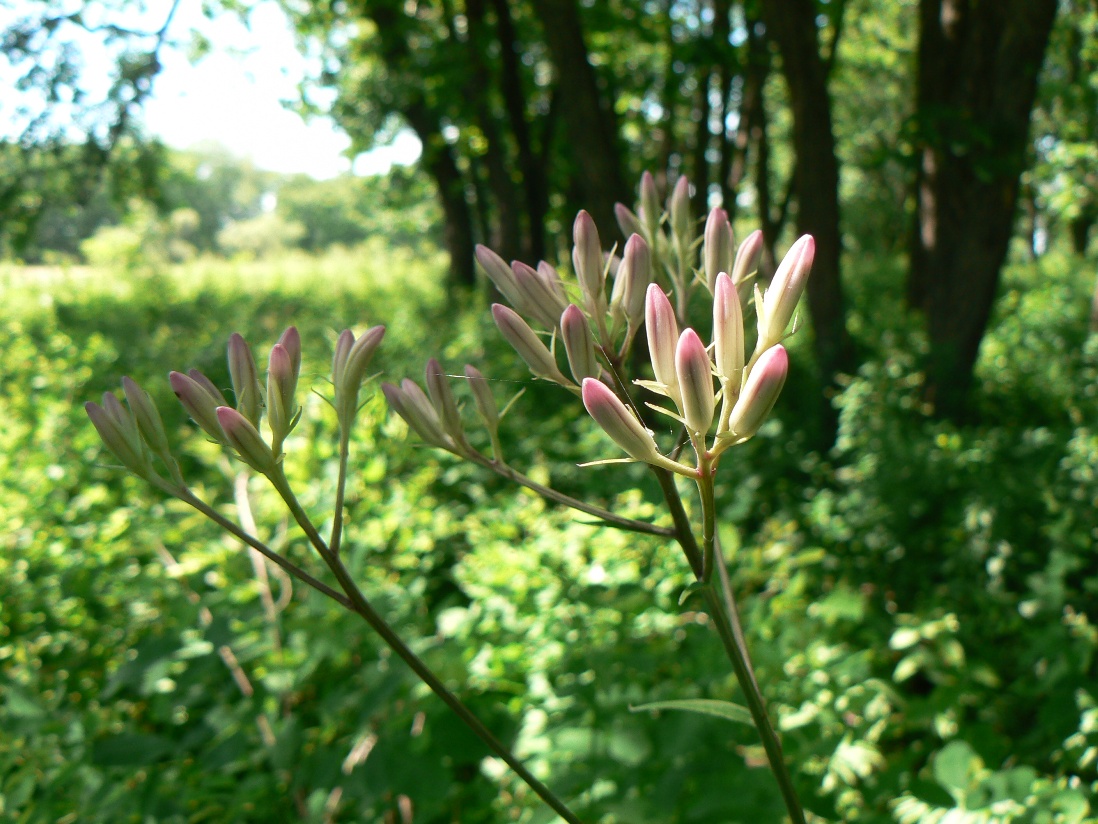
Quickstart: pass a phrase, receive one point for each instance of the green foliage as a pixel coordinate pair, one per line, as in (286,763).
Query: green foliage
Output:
(920,600)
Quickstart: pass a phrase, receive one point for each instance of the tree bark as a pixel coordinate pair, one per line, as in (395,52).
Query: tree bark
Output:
(978,63)
(534,174)
(792,25)
(589,120)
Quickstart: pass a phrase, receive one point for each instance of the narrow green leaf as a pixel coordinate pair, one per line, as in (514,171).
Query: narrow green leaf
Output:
(704,706)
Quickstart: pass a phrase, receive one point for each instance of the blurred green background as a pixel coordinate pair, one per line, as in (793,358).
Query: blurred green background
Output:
(913,539)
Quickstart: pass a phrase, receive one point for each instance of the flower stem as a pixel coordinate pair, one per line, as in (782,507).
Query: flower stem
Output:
(605,515)
(361,605)
(703,561)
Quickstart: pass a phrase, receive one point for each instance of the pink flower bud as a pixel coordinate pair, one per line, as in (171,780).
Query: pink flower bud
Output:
(483,398)
(579,344)
(636,273)
(501,275)
(551,278)
(543,304)
(760,393)
(747,258)
(628,222)
(718,246)
(588,261)
(245,378)
(784,292)
(728,335)
(245,440)
(147,417)
(678,206)
(617,421)
(442,399)
(349,370)
(194,392)
(291,340)
(119,434)
(663,333)
(416,410)
(695,381)
(528,345)
(650,211)
(280,388)
(208,385)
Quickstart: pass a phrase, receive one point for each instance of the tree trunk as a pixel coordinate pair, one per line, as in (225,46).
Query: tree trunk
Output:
(792,25)
(978,64)
(534,174)
(438,156)
(589,121)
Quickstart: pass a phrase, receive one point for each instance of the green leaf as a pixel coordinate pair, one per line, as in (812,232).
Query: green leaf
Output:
(704,706)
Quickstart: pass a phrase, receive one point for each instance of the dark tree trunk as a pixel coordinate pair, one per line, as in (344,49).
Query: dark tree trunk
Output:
(792,25)
(978,64)
(506,235)
(589,121)
(438,156)
(534,173)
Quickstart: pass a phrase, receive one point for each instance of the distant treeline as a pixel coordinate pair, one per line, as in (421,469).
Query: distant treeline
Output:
(158,204)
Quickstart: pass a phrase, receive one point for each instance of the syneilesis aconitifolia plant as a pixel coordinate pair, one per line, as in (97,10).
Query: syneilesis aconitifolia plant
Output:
(718,395)
(597,332)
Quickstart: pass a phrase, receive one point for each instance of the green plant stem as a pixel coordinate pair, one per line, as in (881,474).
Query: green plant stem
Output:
(728,629)
(683,531)
(361,605)
(187,497)
(618,521)
(341,488)
(755,703)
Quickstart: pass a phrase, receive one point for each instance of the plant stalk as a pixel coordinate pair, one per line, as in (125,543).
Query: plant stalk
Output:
(361,605)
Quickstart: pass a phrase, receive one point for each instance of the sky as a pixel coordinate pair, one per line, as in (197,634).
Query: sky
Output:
(233,96)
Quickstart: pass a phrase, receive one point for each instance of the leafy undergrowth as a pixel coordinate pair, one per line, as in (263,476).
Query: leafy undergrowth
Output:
(920,600)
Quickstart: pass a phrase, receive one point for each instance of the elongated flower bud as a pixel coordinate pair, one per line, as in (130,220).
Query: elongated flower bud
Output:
(551,278)
(628,222)
(442,399)
(579,344)
(618,422)
(147,417)
(543,304)
(201,400)
(784,292)
(245,378)
(119,434)
(208,385)
(343,346)
(728,333)
(636,273)
(528,345)
(417,412)
(483,398)
(245,440)
(695,381)
(291,341)
(678,206)
(719,244)
(760,393)
(501,275)
(747,258)
(280,388)
(650,212)
(663,333)
(588,262)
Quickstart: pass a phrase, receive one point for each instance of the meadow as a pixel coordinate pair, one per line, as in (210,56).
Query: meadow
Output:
(918,598)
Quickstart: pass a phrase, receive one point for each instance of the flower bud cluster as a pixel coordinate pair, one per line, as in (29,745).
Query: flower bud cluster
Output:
(135,436)
(714,389)
(435,415)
